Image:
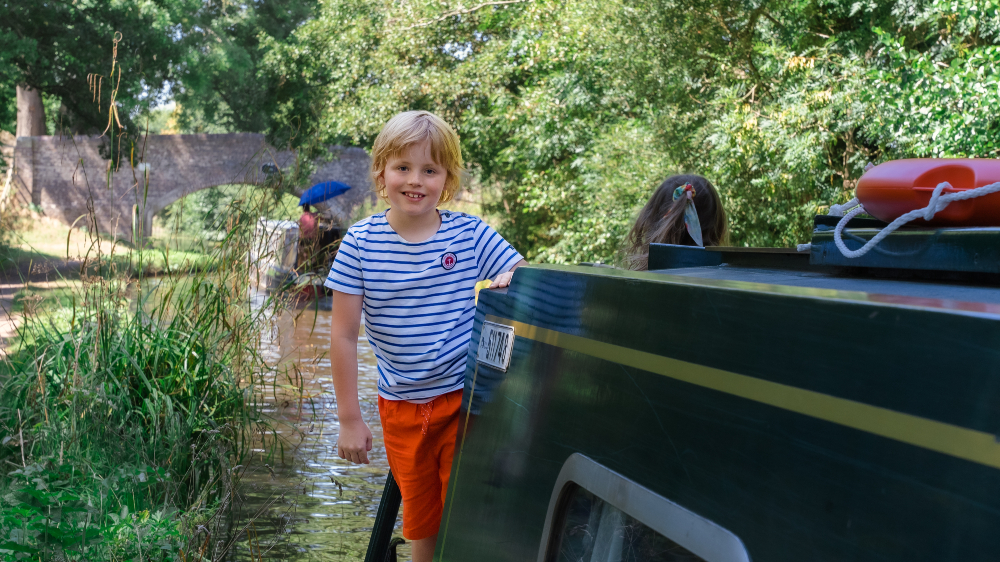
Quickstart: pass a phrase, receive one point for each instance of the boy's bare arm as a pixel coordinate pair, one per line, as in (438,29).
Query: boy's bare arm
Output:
(355,439)
(503,279)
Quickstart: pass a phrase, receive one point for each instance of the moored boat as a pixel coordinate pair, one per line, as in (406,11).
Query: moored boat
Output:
(758,408)
(737,404)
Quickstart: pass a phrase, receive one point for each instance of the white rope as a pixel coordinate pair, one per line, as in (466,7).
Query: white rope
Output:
(838,210)
(937,203)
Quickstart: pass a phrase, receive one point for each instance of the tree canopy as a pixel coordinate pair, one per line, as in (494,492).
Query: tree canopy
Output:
(218,82)
(571,112)
(576,110)
(54,46)
(203,54)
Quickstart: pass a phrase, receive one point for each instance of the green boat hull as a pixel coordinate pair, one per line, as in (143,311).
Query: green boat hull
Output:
(811,423)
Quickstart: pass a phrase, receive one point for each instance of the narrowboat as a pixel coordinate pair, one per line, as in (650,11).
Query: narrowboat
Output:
(735,404)
(282,262)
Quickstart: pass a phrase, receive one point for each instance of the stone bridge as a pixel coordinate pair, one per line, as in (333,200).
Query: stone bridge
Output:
(67,177)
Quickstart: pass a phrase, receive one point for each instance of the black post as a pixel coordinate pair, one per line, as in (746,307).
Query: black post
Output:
(385,521)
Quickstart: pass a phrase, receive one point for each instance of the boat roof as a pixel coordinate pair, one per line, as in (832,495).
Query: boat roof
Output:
(790,272)
(945,268)
(943,295)
(844,282)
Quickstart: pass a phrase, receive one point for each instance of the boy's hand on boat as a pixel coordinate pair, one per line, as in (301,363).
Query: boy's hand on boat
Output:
(354,442)
(502,280)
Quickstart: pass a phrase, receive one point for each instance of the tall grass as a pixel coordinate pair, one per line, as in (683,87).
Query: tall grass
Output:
(125,418)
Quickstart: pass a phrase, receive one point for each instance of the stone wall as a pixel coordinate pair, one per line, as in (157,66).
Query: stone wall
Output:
(67,177)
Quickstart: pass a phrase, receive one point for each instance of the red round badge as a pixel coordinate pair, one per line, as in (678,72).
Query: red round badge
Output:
(448,260)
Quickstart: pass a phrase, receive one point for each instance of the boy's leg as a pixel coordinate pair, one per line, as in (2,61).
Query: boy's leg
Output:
(420,443)
(423,549)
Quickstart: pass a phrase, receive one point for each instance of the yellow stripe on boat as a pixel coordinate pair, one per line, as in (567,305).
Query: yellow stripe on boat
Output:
(956,441)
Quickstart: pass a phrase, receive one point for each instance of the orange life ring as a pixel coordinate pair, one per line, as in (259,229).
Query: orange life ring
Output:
(897,187)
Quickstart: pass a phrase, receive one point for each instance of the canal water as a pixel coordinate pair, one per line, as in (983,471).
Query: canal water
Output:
(304,503)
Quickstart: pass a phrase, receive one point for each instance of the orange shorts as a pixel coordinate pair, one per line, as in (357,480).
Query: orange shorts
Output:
(420,444)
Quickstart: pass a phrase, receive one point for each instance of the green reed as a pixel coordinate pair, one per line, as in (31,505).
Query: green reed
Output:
(125,419)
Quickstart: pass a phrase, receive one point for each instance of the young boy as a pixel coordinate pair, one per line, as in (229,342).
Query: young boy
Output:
(412,270)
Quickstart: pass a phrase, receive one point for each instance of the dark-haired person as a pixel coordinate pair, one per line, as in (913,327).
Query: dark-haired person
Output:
(686,210)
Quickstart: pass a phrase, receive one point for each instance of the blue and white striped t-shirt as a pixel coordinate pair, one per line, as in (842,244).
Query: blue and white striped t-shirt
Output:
(419,299)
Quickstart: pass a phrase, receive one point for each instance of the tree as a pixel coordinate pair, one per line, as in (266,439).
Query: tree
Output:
(52,47)
(218,77)
(528,84)
(30,112)
(576,110)
(203,53)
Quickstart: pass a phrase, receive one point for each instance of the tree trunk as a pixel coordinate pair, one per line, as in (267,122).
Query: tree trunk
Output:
(30,112)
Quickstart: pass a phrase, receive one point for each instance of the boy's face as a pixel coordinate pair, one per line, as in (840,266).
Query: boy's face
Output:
(414,181)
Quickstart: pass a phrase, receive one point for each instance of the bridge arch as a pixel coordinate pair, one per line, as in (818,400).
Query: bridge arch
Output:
(66,176)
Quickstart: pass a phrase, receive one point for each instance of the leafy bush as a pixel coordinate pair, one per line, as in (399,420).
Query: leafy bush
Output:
(578,110)
(128,414)
(61,512)
(203,215)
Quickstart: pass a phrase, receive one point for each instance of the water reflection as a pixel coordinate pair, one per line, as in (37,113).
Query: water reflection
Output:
(305,502)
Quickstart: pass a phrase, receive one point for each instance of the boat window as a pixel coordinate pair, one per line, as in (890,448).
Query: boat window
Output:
(595,531)
(597,515)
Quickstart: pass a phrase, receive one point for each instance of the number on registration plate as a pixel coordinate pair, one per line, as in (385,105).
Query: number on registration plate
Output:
(495,345)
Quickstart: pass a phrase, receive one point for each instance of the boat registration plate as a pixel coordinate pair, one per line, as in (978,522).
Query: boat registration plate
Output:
(495,345)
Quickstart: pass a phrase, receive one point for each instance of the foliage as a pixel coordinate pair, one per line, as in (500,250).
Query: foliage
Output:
(940,97)
(573,111)
(219,81)
(203,214)
(55,46)
(61,508)
(576,110)
(128,413)
(8,222)
(204,53)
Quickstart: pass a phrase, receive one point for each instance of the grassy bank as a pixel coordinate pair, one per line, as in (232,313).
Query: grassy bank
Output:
(40,244)
(126,410)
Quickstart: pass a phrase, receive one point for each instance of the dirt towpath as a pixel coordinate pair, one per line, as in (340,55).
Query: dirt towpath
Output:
(9,319)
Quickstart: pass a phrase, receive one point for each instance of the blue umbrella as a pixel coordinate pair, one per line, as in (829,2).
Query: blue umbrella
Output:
(322,191)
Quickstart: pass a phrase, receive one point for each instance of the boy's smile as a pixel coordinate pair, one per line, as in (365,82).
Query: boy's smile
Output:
(414,182)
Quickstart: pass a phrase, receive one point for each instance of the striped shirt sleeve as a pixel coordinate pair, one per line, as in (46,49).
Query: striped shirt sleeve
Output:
(345,274)
(494,254)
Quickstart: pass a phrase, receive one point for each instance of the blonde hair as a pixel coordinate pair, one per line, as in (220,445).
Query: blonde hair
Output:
(412,127)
